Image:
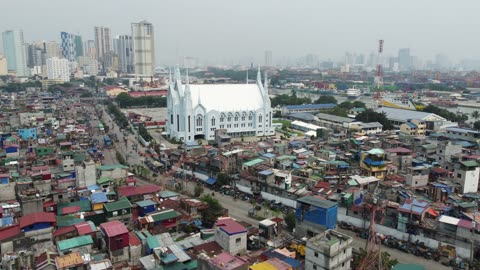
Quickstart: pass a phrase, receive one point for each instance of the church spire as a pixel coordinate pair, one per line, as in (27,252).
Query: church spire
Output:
(259,75)
(265,84)
(170,75)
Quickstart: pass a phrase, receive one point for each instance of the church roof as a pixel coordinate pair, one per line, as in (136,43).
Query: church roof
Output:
(226,97)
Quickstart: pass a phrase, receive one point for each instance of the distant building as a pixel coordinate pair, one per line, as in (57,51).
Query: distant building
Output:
(306,108)
(404,59)
(432,121)
(3,65)
(14,48)
(103,45)
(58,69)
(143,37)
(414,127)
(123,46)
(329,250)
(372,163)
(71,46)
(268,58)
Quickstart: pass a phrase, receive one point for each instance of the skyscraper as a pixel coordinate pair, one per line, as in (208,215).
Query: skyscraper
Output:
(58,69)
(71,46)
(404,59)
(90,50)
(123,48)
(268,58)
(103,45)
(143,48)
(51,49)
(15,52)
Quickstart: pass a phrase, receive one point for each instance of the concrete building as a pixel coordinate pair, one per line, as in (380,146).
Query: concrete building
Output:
(86,174)
(268,58)
(103,45)
(432,121)
(123,47)
(143,37)
(366,128)
(414,127)
(372,163)
(404,59)
(51,49)
(329,250)
(315,215)
(58,69)
(14,48)
(467,174)
(196,111)
(231,235)
(3,65)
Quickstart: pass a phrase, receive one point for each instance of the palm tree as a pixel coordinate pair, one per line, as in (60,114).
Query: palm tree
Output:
(475,115)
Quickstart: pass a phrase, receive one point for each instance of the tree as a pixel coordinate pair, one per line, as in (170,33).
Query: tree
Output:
(370,115)
(475,115)
(387,263)
(291,221)
(214,210)
(476,125)
(326,99)
(222,179)
(198,190)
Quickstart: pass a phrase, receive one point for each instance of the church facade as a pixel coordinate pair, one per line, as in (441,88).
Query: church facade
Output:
(195,111)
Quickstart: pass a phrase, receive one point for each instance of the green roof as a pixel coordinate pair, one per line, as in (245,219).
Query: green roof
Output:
(285,157)
(429,146)
(168,194)
(112,167)
(469,163)
(253,162)
(104,180)
(152,242)
(145,203)
(79,157)
(317,201)
(85,206)
(64,221)
(164,215)
(352,183)
(376,151)
(467,204)
(122,203)
(78,241)
(191,264)
(402,266)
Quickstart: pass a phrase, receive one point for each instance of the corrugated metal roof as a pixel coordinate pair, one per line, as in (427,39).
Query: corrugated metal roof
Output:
(114,228)
(78,241)
(122,203)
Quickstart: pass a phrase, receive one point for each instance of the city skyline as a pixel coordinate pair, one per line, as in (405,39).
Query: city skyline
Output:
(349,26)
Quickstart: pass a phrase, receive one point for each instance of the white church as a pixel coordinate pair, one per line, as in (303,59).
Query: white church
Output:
(195,111)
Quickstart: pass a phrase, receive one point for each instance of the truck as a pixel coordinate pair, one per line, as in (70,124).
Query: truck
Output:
(107,141)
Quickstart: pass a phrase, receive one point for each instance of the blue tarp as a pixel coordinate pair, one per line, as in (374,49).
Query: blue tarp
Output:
(369,161)
(211,181)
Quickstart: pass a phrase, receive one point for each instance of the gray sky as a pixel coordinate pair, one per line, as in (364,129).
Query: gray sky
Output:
(218,30)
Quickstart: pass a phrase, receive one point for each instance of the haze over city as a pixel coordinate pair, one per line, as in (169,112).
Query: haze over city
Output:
(220,32)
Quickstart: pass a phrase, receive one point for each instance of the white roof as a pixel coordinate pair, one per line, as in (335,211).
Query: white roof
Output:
(267,222)
(361,180)
(449,220)
(227,97)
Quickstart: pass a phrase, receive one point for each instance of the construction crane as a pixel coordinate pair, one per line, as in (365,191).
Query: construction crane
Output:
(373,258)
(378,80)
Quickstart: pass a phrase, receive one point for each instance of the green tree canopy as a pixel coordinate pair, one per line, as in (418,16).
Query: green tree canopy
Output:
(370,115)
(291,221)
(325,99)
(214,211)
(451,116)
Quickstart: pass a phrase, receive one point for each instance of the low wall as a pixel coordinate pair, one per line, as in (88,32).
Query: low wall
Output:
(429,242)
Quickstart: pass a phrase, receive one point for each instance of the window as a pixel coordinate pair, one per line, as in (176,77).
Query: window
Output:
(114,213)
(314,267)
(316,254)
(171,118)
(189,124)
(178,123)
(213,121)
(236,117)
(229,118)
(260,118)
(459,175)
(250,117)
(244,116)
(238,240)
(222,118)
(199,121)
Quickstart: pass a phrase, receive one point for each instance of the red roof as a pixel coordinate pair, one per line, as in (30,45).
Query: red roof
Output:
(114,228)
(210,248)
(440,170)
(133,239)
(322,185)
(133,190)
(230,226)
(83,228)
(39,217)
(63,230)
(8,232)
(70,209)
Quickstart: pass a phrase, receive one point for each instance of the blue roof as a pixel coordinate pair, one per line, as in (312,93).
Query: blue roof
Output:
(463,130)
(292,262)
(465,143)
(145,203)
(99,197)
(265,172)
(168,258)
(311,106)
(269,155)
(211,181)
(415,206)
(411,125)
(93,187)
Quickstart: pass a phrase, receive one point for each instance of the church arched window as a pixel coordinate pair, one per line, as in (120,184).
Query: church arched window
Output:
(236,117)
(244,116)
(229,117)
(250,116)
(260,118)
(213,121)
(199,120)
(222,118)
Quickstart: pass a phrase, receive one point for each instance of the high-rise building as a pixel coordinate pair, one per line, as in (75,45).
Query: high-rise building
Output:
(58,69)
(441,61)
(123,47)
(35,54)
(268,58)
(51,49)
(143,48)
(89,49)
(3,65)
(103,44)
(404,58)
(71,46)
(14,48)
